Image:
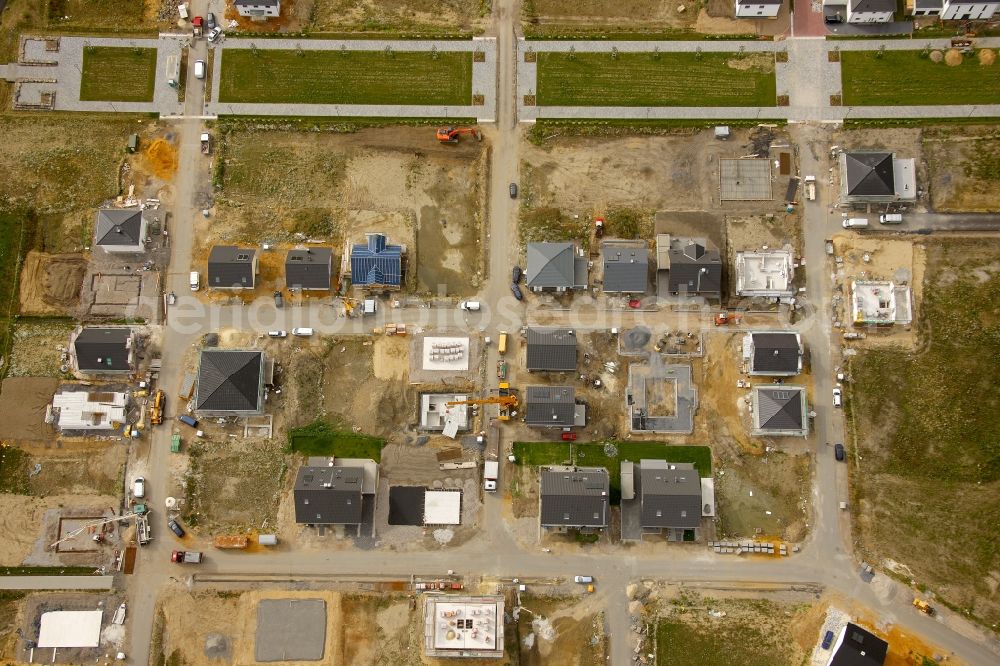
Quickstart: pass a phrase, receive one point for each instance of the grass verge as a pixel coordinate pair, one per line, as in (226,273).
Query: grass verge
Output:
(595,455)
(655,79)
(345,77)
(46,571)
(113,74)
(322,439)
(897,78)
(14,227)
(544,130)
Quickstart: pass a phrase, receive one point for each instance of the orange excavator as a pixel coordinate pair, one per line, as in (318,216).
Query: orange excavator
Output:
(507,400)
(451,134)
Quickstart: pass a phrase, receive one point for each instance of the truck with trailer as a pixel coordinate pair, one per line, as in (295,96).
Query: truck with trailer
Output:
(491,467)
(810,188)
(185,557)
(206,143)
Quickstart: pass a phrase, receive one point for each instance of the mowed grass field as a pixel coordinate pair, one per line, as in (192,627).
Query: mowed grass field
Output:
(114,74)
(905,78)
(647,79)
(354,77)
(928,437)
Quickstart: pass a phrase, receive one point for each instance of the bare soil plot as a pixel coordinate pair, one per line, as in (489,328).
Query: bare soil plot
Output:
(642,17)
(407,16)
(569,629)
(964,168)
(50,283)
(923,460)
(380,629)
(286,186)
(197,628)
(38,346)
(22,407)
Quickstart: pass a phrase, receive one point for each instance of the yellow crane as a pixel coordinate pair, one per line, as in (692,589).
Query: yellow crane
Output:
(506,399)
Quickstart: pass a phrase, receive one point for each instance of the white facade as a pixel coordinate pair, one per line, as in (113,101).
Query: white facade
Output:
(767,273)
(963,11)
(84,410)
(757,9)
(258,8)
(868,17)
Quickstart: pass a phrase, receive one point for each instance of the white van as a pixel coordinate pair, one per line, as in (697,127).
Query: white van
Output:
(302,332)
(891,218)
(199,69)
(182,9)
(855,223)
(195,281)
(470,306)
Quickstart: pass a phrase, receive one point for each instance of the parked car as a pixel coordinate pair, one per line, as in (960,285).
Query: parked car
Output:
(569,436)
(279,301)
(302,332)
(175,527)
(277,334)
(199,69)
(514,289)
(583,579)
(513,190)
(210,21)
(838,397)
(855,223)
(838,452)
(214,35)
(139,487)
(470,306)
(188,420)
(890,218)
(516,274)
(186,557)
(195,281)
(827,640)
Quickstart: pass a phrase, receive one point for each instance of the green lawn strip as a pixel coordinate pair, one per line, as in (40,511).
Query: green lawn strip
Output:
(897,78)
(655,79)
(118,74)
(13,226)
(13,470)
(351,77)
(46,571)
(721,643)
(321,439)
(593,455)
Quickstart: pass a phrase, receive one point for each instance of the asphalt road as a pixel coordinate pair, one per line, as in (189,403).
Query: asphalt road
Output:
(826,559)
(937,222)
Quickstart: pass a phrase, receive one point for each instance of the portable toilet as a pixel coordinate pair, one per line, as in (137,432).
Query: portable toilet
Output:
(133,142)
(267,539)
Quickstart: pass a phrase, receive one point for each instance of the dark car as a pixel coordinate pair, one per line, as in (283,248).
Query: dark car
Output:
(514,289)
(210,20)
(513,190)
(516,274)
(175,527)
(187,420)
(838,451)
(279,301)
(828,640)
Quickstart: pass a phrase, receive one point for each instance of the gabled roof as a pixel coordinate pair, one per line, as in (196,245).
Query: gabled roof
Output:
(670,494)
(775,352)
(230,380)
(626,269)
(779,408)
(551,349)
(550,406)
(859,647)
(869,173)
(309,268)
(575,497)
(231,267)
(695,268)
(119,227)
(761,2)
(103,349)
(256,3)
(377,263)
(879,6)
(553,265)
(328,495)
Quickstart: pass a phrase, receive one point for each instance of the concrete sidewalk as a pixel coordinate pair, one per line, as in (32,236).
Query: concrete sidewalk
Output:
(56,582)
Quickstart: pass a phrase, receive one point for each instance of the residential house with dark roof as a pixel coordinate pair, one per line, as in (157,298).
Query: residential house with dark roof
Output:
(555,267)
(779,410)
(230,383)
(551,349)
(553,407)
(574,498)
(329,495)
(859,11)
(694,268)
(103,350)
(856,646)
(231,267)
(626,268)
(773,354)
(258,9)
(756,9)
(120,230)
(309,269)
(872,176)
(669,497)
(375,264)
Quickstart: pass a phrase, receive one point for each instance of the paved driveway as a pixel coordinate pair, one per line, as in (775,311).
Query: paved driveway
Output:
(807,19)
